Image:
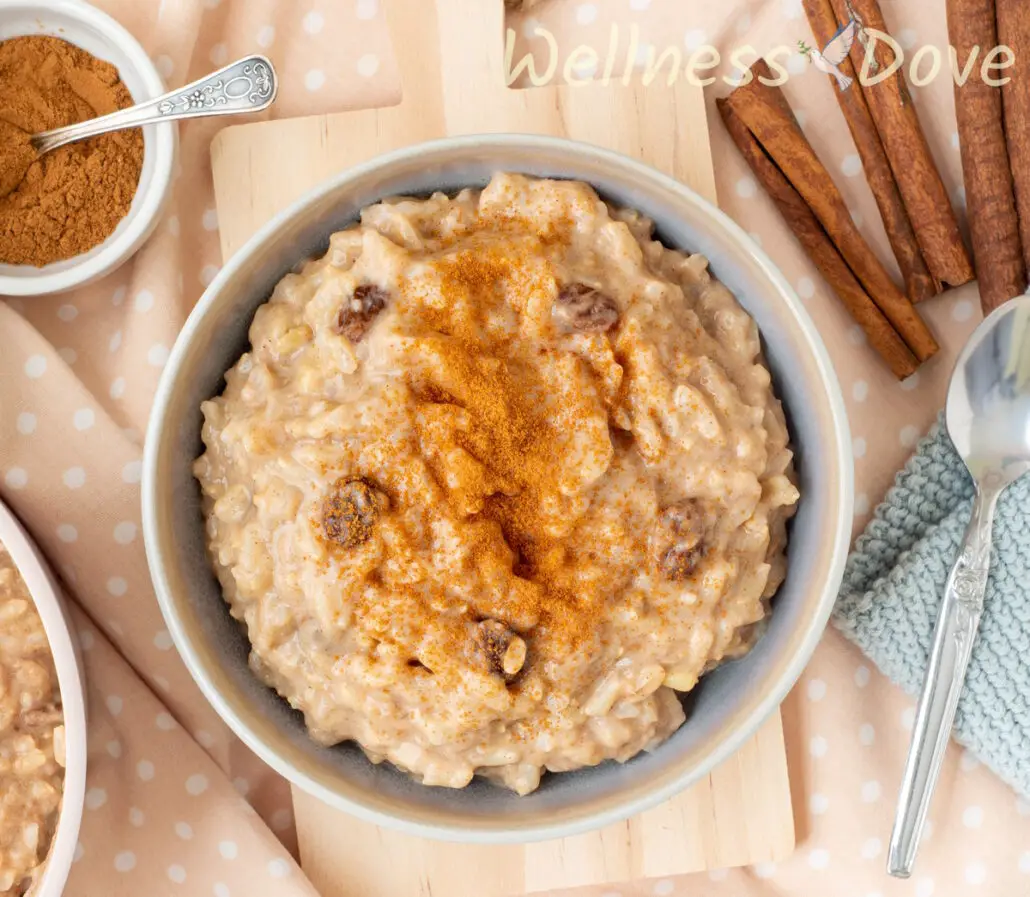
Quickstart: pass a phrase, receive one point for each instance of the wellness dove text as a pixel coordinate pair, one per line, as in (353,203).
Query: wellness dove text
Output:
(581,65)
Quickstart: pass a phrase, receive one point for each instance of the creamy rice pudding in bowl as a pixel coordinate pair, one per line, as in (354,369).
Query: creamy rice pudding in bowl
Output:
(42,724)
(497,481)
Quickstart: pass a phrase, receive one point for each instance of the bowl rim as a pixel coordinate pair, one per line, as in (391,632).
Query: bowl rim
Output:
(64,647)
(124,245)
(748,725)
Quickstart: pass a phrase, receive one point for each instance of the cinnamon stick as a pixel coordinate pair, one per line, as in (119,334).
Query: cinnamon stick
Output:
(919,182)
(990,195)
(766,113)
(919,284)
(820,249)
(1014,33)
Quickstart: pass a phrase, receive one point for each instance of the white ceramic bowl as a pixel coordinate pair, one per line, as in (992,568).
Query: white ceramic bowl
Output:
(728,705)
(97,33)
(64,647)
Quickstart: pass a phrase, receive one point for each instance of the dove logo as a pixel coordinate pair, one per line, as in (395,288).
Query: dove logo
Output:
(835,52)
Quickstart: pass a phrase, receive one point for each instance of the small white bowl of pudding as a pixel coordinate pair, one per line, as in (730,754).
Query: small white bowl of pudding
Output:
(42,723)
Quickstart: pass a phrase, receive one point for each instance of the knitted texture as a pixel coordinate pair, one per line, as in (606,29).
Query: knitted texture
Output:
(892,589)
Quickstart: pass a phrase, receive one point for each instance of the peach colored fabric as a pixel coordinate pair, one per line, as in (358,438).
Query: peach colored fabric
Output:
(170,790)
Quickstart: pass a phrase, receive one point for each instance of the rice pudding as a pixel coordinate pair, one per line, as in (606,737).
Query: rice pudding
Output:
(32,756)
(500,476)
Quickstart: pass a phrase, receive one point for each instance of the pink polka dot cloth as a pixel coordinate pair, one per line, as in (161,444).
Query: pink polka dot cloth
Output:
(176,805)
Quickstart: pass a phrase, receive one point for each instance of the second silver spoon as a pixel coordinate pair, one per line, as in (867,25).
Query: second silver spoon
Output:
(988,418)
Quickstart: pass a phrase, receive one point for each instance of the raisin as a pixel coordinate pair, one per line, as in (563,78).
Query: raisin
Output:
(583,309)
(351,511)
(498,649)
(357,316)
(678,540)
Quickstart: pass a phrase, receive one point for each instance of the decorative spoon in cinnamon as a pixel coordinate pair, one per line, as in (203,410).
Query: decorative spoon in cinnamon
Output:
(247,85)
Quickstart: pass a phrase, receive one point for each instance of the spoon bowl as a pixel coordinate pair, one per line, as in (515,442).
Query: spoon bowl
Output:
(988,410)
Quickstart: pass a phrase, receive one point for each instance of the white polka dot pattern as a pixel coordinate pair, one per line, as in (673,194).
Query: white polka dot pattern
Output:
(819,858)
(219,55)
(746,187)
(871,848)
(694,38)
(282,819)
(163,641)
(368,65)
(74,478)
(870,791)
(586,13)
(366,9)
(125,532)
(84,419)
(35,367)
(851,166)
(16,478)
(278,868)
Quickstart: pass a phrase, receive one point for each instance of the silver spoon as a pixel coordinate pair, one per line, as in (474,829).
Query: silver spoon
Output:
(988,420)
(247,85)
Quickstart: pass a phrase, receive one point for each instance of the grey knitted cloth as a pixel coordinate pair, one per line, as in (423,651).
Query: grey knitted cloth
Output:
(893,585)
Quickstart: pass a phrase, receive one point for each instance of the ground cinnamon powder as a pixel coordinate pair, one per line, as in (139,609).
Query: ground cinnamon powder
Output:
(516,430)
(71,199)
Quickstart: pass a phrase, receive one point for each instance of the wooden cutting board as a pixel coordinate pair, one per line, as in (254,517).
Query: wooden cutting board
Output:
(451,59)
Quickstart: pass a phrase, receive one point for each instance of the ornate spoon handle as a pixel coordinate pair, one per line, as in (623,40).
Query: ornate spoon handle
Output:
(953,637)
(247,85)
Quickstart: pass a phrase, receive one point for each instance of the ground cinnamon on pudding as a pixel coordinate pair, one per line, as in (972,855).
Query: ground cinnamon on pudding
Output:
(71,199)
(517,434)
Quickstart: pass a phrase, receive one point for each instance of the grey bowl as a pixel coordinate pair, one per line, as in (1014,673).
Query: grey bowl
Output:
(729,704)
